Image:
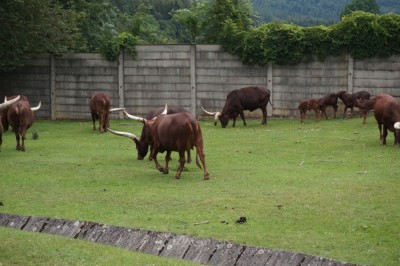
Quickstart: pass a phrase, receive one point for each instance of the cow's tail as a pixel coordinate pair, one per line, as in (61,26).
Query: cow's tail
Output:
(199,141)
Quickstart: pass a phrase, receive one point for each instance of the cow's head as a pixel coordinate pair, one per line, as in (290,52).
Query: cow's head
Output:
(142,144)
(217,116)
(397,133)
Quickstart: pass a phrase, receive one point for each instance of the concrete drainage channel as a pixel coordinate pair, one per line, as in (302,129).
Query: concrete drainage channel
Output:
(164,244)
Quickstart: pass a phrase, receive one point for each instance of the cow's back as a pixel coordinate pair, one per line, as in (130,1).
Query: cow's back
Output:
(100,102)
(175,130)
(386,109)
(20,114)
(171,109)
(249,98)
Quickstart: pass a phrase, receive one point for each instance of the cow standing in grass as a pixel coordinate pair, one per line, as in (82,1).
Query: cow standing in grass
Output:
(20,116)
(248,98)
(387,115)
(3,106)
(175,132)
(100,109)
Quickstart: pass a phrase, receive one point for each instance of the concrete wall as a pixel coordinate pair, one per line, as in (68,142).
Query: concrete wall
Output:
(188,75)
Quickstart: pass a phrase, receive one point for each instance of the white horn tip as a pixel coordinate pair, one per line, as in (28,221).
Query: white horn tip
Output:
(397,125)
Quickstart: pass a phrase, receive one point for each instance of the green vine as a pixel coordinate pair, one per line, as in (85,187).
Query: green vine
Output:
(361,34)
(112,46)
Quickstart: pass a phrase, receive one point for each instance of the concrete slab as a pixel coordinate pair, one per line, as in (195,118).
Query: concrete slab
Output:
(63,227)
(226,254)
(201,250)
(177,246)
(154,242)
(35,224)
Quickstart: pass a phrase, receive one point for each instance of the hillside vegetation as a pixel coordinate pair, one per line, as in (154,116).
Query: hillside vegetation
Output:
(310,12)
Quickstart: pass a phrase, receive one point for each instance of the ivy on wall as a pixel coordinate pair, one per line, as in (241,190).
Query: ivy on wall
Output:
(361,34)
(112,47)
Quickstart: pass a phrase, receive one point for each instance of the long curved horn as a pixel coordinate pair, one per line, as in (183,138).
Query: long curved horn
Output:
(137,118)
(397,125)
(37,107)
(116,109)
(123,134)
(215,114)
(8,103)
(165,110)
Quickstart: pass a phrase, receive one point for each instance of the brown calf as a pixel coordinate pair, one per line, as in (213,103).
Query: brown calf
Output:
(330,99)
(349,99)
(365,106)
(309,104)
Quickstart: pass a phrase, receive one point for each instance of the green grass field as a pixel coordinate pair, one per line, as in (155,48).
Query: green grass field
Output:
(326,189)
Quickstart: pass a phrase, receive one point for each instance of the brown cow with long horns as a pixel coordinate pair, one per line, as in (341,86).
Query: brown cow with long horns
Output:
(175,132)
(247,98)
(2,107)
(20,116)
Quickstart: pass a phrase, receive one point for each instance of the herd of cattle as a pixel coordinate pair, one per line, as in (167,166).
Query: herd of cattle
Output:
(172,128)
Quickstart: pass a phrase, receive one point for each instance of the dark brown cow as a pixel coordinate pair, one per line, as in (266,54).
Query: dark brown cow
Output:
(309,104)
(349,99)
(237,101)
(387,115)
(3,106)
(175,132)
(330,99)
(365,106)
(142,144)
(20,116)
(100,109)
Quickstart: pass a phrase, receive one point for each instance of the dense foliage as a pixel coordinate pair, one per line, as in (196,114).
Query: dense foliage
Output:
(313,12)
(361,34)
(56,26)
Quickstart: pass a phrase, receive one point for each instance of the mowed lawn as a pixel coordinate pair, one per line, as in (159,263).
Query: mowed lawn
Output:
(328,189)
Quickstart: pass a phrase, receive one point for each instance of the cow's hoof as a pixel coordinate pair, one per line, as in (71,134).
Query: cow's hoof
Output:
(165,171)
(177,177)
(207,177)
(161,169)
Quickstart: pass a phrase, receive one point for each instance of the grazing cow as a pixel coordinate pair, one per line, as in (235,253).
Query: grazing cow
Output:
(3,106)
(387,115)
(330,99)
(20,116)
(175,132)
(248,98)
(365,106)
(142,144)
(100,109)
(309,104)
(349,99)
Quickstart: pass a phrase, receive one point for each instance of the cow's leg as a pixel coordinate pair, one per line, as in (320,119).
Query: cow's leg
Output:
(94,121)
(351,112)
(323,111)
(23,135)
(335,107)
(200,153)
(364,112)
(167,159)
(17,138)
(158,166)
(316,115)
(188,159)
(242,116)
(264,111)
(234,121)
(101,122)
(181,164)
(344,112)
(384,135)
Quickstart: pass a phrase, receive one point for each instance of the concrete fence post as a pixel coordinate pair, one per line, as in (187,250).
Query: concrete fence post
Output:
(350,75)
(270,85)
(121,87)
(53,93)
(193,99)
